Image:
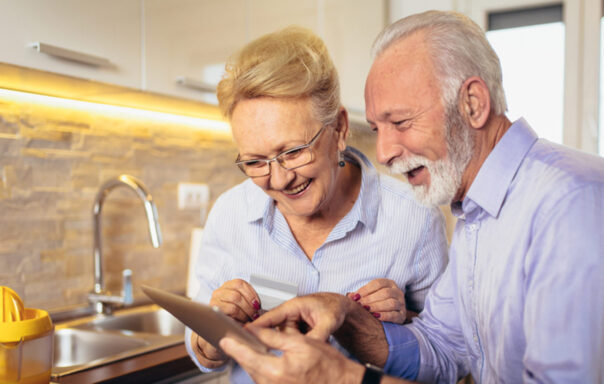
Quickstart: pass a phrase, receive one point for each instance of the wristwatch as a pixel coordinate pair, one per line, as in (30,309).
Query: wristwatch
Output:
(373,374)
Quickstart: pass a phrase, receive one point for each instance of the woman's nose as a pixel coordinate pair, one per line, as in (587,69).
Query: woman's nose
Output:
(280,177)
(388,146)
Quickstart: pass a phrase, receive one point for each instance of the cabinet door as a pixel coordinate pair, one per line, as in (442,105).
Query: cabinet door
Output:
(191,39)
(272,15)
(351,26)
(107,30)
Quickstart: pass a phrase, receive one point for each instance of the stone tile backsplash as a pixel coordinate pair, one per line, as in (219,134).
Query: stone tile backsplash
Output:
(52,162)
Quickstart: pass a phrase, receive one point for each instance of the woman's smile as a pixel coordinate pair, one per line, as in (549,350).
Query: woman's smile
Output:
(297,191)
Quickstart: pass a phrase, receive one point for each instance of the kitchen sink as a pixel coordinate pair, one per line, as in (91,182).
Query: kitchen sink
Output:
(87,343)
(159,322)
(76,346)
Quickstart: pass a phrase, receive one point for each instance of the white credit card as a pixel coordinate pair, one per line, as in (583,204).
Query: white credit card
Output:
(272,292)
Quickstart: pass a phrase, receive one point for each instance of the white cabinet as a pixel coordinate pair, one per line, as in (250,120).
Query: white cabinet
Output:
(350,27)
(190,39)
(193,39)
(150,44)
(108,29)
(271,15)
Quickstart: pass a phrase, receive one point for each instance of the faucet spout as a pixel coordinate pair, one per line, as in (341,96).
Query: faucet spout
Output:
(142,192)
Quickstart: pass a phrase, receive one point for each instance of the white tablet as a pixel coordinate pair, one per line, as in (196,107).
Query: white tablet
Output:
(208,322)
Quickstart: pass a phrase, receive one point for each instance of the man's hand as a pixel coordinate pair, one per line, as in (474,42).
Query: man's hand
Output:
(321,314)
(304,360)
(237,299)
(383,299)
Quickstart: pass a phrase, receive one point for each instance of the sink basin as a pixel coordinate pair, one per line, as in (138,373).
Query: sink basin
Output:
(85,344)
(158,322)
(76,346)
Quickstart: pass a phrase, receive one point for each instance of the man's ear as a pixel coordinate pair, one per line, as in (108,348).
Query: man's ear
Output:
(342,128)
(475,101)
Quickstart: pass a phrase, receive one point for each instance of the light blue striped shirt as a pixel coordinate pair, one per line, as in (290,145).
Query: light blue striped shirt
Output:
(385,234)
(522,299)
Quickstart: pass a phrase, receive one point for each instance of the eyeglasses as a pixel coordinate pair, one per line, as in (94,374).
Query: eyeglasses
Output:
(291,159)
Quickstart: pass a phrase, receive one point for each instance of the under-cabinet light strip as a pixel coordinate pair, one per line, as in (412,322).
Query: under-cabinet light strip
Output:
(115,111)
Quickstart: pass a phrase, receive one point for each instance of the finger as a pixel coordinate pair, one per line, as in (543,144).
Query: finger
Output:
(290,327)
(383,295)
(276,317)
(376,285)
(255,363)
(234,311)
(321,331)
(246,290)
(397,317)
(234,304)
(274,339)
(207,349)
(389,304)
(207,354)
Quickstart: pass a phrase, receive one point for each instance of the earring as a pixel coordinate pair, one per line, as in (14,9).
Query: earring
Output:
(341,163)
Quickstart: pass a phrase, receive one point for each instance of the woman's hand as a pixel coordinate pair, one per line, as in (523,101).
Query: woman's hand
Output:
(237,299)
(384,299)
(206,354)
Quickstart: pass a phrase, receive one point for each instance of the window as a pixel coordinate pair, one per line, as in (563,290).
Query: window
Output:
(530,45)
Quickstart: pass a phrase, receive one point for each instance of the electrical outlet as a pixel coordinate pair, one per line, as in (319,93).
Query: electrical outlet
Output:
(193,196)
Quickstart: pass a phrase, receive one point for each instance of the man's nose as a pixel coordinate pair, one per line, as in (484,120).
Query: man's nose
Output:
(279,177)
(388,146)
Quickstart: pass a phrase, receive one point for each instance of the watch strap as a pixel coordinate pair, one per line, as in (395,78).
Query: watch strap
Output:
(373,374)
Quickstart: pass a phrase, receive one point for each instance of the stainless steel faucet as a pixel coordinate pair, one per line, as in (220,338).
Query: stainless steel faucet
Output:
(101,300)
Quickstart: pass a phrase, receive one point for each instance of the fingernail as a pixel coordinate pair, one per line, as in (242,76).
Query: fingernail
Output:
(366,307)
(376,315)
(356,297)
(255,316)
(256,304)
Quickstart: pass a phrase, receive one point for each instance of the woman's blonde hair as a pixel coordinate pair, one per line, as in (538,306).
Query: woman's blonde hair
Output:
(291,63)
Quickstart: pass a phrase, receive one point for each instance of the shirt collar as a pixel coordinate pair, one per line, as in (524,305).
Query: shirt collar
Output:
(489,188)
(262,207)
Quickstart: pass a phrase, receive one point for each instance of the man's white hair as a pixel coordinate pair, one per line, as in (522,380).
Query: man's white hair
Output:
(459,50)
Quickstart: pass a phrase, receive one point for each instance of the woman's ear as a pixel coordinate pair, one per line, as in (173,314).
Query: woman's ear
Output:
(342,128)
(475,101)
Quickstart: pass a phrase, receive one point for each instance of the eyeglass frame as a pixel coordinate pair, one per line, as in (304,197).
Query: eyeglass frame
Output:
(308,145)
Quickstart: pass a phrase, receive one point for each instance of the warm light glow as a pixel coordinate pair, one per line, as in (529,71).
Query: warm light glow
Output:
(115,111)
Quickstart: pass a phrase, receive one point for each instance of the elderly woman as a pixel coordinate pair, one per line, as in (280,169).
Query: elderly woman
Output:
(313,212)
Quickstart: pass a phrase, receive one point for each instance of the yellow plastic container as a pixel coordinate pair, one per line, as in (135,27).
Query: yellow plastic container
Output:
(26,338)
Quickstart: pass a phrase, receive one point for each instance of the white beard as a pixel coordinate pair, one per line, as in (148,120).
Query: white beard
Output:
(445,179)
(445,173)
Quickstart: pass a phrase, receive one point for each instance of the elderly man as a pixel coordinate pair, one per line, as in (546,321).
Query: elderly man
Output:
(522,299)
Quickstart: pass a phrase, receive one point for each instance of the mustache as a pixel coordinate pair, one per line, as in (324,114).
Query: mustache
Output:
(402,166)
